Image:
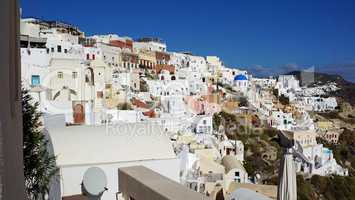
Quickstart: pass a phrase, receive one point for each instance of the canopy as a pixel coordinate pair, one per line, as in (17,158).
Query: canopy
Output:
(287,188)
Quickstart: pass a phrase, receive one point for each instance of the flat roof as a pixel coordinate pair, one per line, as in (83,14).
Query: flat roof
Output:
(247,194)
(85,145)
(164,187)
(269,191)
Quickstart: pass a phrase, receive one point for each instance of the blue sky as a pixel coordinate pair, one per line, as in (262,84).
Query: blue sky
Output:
(263,36)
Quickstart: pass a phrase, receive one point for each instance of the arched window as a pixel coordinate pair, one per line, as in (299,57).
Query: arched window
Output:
(89,76)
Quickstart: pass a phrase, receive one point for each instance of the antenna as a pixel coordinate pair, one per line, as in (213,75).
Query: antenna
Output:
(94,183)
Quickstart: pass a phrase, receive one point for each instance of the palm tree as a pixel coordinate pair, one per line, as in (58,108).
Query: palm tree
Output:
(39,165)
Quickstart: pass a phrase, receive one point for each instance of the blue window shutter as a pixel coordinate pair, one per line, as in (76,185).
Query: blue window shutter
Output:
(35,80)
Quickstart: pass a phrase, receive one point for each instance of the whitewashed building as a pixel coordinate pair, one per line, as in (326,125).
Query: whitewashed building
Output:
(316,158)
(166,85)
(202,124)
(235,171)
(150,44)
(241,83)
(281,120)
(80,147)
(228,75)
(288,85)
(232,147)
(318,104)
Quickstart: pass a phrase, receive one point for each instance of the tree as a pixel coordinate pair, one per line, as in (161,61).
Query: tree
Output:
(216,121)
(143,86)
(275,92)
(284,100)
(39,165)
(124,106)
(243,102)
(304,189)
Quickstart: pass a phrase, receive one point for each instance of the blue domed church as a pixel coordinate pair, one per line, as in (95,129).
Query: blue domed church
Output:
(241,82)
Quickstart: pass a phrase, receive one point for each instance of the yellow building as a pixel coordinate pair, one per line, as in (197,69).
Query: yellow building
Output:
(147,59)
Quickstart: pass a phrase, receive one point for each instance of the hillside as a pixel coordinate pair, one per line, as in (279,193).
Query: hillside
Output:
(321,78)
(347,89)
(263,153)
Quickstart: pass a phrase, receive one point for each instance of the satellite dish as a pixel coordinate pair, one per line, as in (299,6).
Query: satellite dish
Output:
(94,182)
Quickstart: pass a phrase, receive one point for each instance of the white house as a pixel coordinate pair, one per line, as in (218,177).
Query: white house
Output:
(281,120)
(34,66)
(80,147)
(92,53)
(173,104)
(322,162)
(286,82)
(128,116)
(171,123)
(179,60)
(318,104)
(111,55)
(235,172)
(228,75)
(151,44)
(241,83)
(43,41)
(197,81)
(305,122)
(232,147)
(167,86)
(265,82)
(288,85)
(202,124)
(317,159)
(128,80)
(188,61)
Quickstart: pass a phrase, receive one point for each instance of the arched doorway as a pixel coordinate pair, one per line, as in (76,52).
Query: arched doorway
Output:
(220,195)
(89,76)
(78,114)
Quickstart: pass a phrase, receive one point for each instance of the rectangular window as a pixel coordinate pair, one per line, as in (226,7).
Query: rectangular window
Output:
(35,80)
(59,49)
(65,50)
(47,50)
(60,74)
(52,49)
(75,75)
(236,174)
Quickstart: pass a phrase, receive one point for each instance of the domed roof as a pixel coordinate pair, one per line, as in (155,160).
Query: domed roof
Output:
(240,77)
